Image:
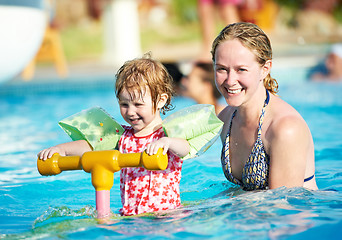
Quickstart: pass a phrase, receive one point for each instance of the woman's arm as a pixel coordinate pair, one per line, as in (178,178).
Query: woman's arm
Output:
(66,149)
(178,146)
(289,150)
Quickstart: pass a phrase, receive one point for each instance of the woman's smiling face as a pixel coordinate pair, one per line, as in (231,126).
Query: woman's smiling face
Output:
(237,73)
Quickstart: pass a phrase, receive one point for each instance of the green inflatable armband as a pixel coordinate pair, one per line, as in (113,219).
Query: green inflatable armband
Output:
(95,126)
(198,124)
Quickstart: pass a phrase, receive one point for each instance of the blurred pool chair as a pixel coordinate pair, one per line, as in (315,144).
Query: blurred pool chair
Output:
(51,50)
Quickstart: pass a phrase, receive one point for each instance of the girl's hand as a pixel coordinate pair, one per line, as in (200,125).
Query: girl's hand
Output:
(153,147)
(47,153)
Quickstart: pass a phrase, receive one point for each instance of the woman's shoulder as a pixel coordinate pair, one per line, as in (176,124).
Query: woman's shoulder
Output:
(285,121)
(225,114)
(287,137)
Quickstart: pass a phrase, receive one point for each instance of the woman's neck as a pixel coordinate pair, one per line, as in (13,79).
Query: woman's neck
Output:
(249,113)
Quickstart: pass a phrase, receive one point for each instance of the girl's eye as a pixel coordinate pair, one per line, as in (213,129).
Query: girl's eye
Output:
(123,105)
(242,70)
(138,104)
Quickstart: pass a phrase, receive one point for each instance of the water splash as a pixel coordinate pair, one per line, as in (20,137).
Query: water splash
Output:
(56,222)
(54,214)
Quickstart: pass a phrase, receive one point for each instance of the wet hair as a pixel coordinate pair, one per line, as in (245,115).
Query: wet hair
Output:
(208,76)
(145,73)
(253,38)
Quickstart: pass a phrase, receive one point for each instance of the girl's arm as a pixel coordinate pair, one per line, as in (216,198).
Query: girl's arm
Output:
(66,149)
(178,146)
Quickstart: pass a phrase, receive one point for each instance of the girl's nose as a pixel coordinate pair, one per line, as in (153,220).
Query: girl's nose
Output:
(130,110)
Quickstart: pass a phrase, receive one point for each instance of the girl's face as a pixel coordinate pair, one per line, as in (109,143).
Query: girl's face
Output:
(138,112)
(238,75)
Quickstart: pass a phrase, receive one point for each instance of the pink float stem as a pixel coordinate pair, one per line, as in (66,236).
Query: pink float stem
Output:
(103,203)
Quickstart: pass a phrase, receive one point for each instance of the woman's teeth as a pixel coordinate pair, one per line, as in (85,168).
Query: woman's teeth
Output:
(234,91)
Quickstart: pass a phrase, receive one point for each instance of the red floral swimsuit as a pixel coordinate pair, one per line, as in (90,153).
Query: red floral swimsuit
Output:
(143,190)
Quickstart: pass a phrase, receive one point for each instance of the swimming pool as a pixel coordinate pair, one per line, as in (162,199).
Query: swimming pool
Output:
(32,206)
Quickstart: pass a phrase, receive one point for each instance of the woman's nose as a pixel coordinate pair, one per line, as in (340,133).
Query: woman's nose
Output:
(231,78)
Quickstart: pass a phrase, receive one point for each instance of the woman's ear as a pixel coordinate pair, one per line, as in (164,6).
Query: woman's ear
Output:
(162,100)
(266,69)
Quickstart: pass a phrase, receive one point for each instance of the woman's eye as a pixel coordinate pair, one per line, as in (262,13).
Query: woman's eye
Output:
(242,70)
(220,69)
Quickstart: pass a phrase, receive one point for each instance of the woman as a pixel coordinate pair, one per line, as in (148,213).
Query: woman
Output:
(266,143)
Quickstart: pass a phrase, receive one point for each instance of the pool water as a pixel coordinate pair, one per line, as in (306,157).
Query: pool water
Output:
(63,206)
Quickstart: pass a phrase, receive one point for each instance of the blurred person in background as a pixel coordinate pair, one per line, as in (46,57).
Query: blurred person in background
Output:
(331,69)
(200,85)
(228,11)
(176,74)
(260,12)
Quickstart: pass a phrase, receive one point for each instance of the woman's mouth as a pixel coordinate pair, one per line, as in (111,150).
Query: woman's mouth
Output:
(234,91)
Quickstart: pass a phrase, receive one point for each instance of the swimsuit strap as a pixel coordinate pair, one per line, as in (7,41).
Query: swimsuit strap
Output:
(309,178)
(261,119)
(267,100)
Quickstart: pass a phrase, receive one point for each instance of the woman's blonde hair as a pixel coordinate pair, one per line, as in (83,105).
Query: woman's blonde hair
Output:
(253,38)
(145,73)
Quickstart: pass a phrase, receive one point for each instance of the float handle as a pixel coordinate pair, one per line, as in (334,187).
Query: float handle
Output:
(111,160)
(102,165)
(56,164)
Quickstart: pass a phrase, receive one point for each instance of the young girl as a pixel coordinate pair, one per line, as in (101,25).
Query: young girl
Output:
(143,89)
